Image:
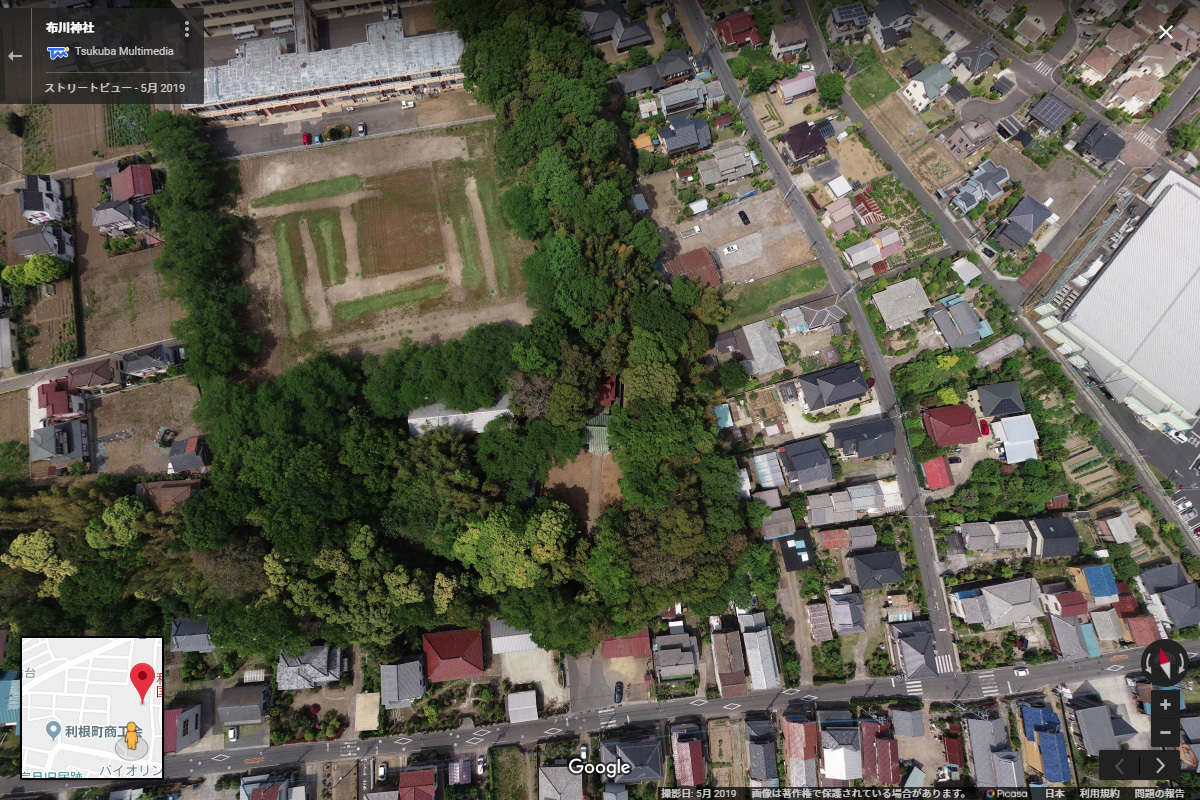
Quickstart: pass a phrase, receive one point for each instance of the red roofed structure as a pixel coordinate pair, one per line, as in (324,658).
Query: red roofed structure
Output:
(698,265)
(635,646)
(1127,604)
(1071,604)
(689,759)
(418,784)
(880,267)
(723,121)
(835,537)
(170,724)
(606,391)
(1059,502)
(1037,270)
(880,753)
(801,738)
(135,182)
(937,473)
(1144,629)
(266,792)
(52,396)
(951,425)
(738,29)
(954,746)
(453,655)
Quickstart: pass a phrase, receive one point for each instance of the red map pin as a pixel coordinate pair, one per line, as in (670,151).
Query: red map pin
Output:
(142,676)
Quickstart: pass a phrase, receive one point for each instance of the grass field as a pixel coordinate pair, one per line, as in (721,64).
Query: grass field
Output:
(39,139)
(125,124)
(452,180)
(753,301)
(310,191)
(351,310)
(922,45)
(290,255)
(508,773)
(872,85)
(399,229)
(14,461)
(326,231)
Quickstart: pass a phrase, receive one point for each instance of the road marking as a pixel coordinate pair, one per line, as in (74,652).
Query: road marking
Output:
(790,691)
(1119,657)
(258,760)
(475,740)
(1010,691)
(809,697)
(732,706)
(1114,668)
(698,702)
(913,687)
(221,757)
(403,740)
(945,664)
(484,732)
(552,731)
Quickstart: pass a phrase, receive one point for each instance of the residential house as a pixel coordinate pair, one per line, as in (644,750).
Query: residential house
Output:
(316,666)
(871,571)
(880,752)
(1099,584)
(1125,40)
(788,38)
(1170,596)
(761,736)
(41,200)
(993,762)
(697,265)
(729,663)
(676,656)
(806,464)
(1135,94)
(846,613)
(1157,59)
(453,655)
(1189,749)
(986,185)
(731,162)
(1053,537)
(635,645)
(60,404)
(93,376)
(902,303)
(507,639)
(999,605)
(959,324)
(1050,114)
(244,704)
(403,683)
(1044,743)
(153,360)
(911,649)
(802,142)
(760,651)
(1097,726)
(181,727)
(267,786)
(559,783)
(1018,435)
(437,415)
(687,751)
(797,550)
(949,426)
(1108,626)
(521,706)
(867,210)
(47,240)
(609,22)
(1073,638)
(1037,22)
(1023,223)
(847,23)
(832,386)
(801,741)
(992,537)
(688,97)
(890,23)
(1150,19)
(879,247)
(908,723)
(1102,145)
(1098,64)
(927,87)
(968,138)
(188,455)
(135,182)
(120,218)
(642,758)
(417,784)
(671,68)
(167,497)
(803,316)
(974,59)
(839,216)
(800,86)
(819,623)
(1061,602)
(685,135)
(1000,399)
(62,444)
(862,537)
(762,337)
(841,754)
(737,30)
(191,636)
(866,439)
(1117,529)
(871,499)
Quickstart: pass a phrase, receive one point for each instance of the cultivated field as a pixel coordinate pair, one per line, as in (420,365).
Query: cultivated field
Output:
(725,753)
(14,417)
(418,251)
(128,424)
(933,165)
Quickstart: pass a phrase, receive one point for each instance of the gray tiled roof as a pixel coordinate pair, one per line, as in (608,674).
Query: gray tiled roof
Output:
(764,766)
(993,763)
(1068,635)
(402,683)
(317,665)
(862,537)
(1012,602)
(1096,729)
(875,570)
(916,647)
(846,613)
(806,463)
(829,387)
(1182,605)
(1024,220)
(190,636)
(644,756)
(242,704)
(559,783)
(1001,399)
(676,655)
(908,723)
(875,437)
(1160,579)
(763,339)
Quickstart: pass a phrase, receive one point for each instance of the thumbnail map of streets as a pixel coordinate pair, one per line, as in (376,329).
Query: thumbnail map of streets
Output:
(82,716)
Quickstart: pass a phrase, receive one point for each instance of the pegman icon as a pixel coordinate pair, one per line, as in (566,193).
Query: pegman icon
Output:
(58,52)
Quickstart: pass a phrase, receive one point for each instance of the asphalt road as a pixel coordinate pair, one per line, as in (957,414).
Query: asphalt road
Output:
(905,472)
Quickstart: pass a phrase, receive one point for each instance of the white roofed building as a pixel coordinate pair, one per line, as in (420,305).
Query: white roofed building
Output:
(438,416)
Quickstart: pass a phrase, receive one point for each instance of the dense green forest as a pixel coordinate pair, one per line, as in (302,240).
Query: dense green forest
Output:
(324,520)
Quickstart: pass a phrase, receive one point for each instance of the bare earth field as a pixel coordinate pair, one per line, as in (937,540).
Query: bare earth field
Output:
(857,163)
(128,424)
(125,302)
(933,165)
(54,318)
(11,223)
(419,19)
(588,484)
(78,130)
(14,417)
(1067,181)
(896,121)
(386,247)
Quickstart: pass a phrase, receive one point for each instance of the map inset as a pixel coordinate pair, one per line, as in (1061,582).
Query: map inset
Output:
(91,708)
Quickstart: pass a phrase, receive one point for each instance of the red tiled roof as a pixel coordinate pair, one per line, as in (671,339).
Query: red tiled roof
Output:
(1127,604)
(724,120)
(1073,604)
(53,397)
(96,373)
(133,181)
(689,767)
(951,425)
(418,784)
(1144,630)
(453,655)
(891,249)
(698,265)
(606,391)
(880,753)
(880,267)
(937,473)
(168,496)
(1037,270)
(835,537)
(800,739)
(637,646)
(736,28)
(170,723)
(266,792)
(1059,501)
(954,751)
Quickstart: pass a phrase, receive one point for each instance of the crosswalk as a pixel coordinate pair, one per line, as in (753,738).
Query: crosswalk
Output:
(1147,136)
(987,683)
(913,687)
(945,664)
(1045,66)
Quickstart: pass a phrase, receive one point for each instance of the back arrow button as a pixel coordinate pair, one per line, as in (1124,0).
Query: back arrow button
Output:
(12,55)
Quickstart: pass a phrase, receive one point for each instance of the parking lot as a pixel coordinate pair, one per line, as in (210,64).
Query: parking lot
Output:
(592,678)
(771,243)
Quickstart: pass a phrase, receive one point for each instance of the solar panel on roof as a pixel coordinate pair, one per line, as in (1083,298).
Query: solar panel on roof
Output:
(957,93)
(1003,86)
(1050,111)
(852,13)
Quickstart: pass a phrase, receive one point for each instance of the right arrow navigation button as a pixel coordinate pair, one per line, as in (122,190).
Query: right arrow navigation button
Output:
(1160,765)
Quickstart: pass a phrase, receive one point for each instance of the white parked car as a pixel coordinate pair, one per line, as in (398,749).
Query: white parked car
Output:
(807,68)
(1178,436)
(382,770)
(233,734)
(1183,504)
(1020,672)
(481,764)
(729,249)
(407,104)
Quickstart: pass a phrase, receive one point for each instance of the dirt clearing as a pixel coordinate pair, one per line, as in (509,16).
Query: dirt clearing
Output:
(933,165)
(128,424)
(725,753)
(1067,181)
(14,417)
(588,484)
(386,247)
(896,121)
(856,162)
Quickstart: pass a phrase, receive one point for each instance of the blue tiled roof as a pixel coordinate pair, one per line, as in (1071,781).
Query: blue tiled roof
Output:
(1100,580)
(10,699)
(1038,718)
(1053,747)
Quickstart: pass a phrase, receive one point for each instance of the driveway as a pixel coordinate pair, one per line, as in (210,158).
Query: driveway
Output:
(592,679)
